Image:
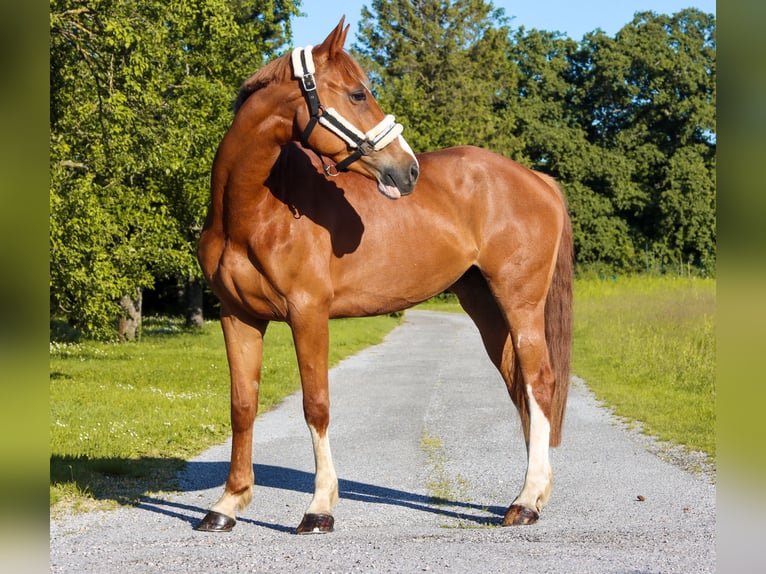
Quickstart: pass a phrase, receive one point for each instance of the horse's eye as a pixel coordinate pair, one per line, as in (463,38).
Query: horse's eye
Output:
(358,97)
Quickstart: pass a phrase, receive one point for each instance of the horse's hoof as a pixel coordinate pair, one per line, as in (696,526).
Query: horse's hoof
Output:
(216,522)
(315,524)
(519,515)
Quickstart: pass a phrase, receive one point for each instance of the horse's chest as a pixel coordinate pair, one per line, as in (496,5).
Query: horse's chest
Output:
(243,282)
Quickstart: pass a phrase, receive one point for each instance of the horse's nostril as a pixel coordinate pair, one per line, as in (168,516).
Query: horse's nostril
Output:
(414,172)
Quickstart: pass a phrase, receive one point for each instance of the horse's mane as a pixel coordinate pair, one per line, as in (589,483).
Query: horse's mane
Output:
(274,71)
(279,70)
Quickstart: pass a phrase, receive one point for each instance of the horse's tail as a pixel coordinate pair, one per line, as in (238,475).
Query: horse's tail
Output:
(558,329)
(558,322)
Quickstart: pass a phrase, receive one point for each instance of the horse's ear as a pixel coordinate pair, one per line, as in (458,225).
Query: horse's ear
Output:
(334,43)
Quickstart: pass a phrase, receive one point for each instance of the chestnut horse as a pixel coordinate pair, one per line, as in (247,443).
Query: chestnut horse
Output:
(285,242)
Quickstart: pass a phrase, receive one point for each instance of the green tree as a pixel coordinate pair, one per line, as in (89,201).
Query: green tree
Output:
(553,141)
(212,47)
(649,95)
(440,67)
(454,74)
(109,230)
(141,93)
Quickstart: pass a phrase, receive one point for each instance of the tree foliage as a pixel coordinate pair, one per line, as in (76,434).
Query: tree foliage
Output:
(141,95)
(626,124)
(141,92)
(440,69)
(649,95)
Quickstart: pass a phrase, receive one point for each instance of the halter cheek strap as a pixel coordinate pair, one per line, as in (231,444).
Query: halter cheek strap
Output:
(303,69)
(363,144)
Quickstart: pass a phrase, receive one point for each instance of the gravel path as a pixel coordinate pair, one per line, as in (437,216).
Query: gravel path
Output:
(422,415)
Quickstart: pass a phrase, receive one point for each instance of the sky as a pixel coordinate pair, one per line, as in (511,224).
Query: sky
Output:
(571,17)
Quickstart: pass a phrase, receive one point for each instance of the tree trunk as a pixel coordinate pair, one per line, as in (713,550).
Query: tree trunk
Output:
(194,317)
(129,327)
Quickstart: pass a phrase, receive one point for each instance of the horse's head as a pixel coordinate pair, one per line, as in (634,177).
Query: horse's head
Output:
(340,118)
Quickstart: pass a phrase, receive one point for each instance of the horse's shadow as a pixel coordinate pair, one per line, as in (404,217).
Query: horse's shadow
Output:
(297,182)
(207,475)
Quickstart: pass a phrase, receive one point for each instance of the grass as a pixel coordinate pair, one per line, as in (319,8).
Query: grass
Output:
(446,302)
(646,347)
(442,488)
(448,492)
(124,417)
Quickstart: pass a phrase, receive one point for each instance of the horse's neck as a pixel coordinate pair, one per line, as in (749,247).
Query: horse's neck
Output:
(255,140)
(263,126)
(244,160)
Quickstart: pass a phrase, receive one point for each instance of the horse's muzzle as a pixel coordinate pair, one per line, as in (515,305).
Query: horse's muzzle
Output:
(396,182)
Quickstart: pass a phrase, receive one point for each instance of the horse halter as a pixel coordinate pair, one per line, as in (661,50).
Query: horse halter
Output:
(363,143)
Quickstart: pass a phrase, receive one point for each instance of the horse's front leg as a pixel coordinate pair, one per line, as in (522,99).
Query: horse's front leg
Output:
(244,350)
(312,340)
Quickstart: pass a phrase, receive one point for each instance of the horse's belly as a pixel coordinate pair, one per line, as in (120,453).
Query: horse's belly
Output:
(376,289)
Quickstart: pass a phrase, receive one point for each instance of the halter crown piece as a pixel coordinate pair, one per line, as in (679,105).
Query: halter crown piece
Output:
(363,143)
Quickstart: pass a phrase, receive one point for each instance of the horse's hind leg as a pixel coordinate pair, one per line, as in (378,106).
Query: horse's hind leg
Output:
(528,380)
(477,300)
(535,373)
(244,349)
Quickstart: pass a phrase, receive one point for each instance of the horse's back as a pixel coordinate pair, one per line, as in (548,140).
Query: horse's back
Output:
(489,173)
(490,191)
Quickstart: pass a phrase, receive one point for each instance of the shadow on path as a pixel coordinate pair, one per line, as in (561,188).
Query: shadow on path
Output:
(207,475)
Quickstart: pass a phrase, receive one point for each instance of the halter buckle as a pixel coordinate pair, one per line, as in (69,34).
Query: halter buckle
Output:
(309,84)
(366,147)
